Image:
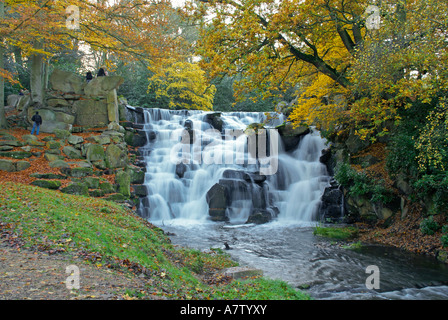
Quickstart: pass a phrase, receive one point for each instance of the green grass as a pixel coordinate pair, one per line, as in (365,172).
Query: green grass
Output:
(109,235)
(339,233)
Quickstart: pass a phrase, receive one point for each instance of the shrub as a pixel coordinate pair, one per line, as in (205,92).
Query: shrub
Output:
(444,240)
(359,184)
(429,226)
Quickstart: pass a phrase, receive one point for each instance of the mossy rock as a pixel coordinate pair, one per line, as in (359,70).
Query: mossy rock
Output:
(92,182)
(72,153)
(16,154)
(22,165)
(53,144)
(61,134)
(47,176)
(59,164)
(123,179)
(80,172)
(107,187)
(76,188)
(95,152)
(48,184)
(116,197)
(116,157)
(7,165)
(97,193)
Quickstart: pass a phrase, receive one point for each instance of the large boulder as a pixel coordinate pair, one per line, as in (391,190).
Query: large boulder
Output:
(66,82)
(123,180)
(91,113)
(116,157)
(101,86)
(217,203)
(291,135)
(72,153)
(95,152)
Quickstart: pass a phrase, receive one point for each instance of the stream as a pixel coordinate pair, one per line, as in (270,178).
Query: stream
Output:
(325,270)
(199,166)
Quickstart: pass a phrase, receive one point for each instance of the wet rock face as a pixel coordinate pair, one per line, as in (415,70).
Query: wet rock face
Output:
(240,189)
(332,207)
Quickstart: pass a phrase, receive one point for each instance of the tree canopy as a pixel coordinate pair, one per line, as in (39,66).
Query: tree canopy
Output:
(349,62)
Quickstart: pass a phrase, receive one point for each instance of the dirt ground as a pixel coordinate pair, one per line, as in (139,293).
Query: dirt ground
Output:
(29,275)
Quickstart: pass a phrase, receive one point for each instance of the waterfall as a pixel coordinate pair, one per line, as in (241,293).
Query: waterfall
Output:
(194,158)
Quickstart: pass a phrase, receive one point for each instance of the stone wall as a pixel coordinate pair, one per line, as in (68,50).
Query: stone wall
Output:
(71,101)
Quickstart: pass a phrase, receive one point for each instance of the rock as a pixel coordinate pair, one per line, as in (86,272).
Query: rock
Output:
(29,137)
(112,108)
(64,118)
(61,134)
(13,143)
(92,182)
(47,176)
(259,217)
(116,157)
(91,113)
(7,148)
(80,172)
(66,82)
(59,164)
(242,272)
(365,161)
(71,152)
(101,139)
(7,165)
(116,197)
(106,187)
(72,139)
(13,100)
(332,205)
(137,175)
(254,177)
(48,184)
(355,144)
(291,136)
(77,189)
(95,152)
(52,157)
(101,86)
(217,202)
(53,144)
(214,119)
(123,180)
(140,190)
(136,138)
(24,102)
(16,154)
(57,102)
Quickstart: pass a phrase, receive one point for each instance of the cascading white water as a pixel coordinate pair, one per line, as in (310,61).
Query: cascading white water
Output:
(178,191)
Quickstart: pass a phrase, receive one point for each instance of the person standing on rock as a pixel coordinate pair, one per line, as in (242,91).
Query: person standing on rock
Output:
(89,76)
(37,121)
(101,73)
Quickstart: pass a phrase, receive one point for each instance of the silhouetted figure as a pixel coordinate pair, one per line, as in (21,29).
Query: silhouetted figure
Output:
(89,76)
(37,121)
(101,73)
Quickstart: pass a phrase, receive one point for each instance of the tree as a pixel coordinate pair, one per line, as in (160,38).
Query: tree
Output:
(131,29)
(182,85)
(344,71)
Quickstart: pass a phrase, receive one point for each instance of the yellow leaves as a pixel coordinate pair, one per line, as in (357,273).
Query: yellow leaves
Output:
(183,84)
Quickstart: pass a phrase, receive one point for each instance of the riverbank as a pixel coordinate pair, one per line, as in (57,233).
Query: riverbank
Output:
(111,245)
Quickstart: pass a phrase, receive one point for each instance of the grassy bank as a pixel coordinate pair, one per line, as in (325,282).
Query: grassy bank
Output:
(110,236)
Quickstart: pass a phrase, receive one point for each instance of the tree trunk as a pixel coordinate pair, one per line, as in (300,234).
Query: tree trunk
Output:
(37,79)
(3,122)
